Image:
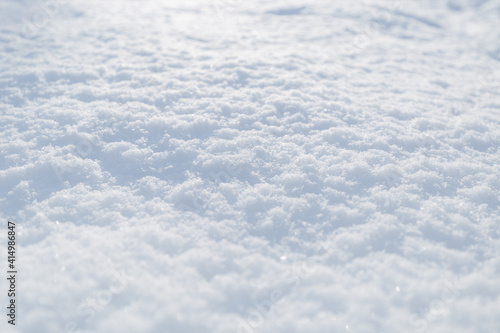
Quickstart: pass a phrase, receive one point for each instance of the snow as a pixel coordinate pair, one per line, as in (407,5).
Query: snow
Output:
(235,166)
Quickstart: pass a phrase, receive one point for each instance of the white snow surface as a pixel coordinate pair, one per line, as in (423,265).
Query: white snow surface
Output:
(252,166)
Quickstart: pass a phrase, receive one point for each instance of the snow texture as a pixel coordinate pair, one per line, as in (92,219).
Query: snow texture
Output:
(252,166)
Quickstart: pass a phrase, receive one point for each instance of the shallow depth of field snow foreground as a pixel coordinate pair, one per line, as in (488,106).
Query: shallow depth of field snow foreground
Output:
(230,166)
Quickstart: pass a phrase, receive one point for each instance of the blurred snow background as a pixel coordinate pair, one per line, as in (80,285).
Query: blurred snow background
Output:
(252,166)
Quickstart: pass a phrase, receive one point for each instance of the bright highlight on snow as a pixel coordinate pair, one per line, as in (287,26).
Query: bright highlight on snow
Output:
(241,167)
